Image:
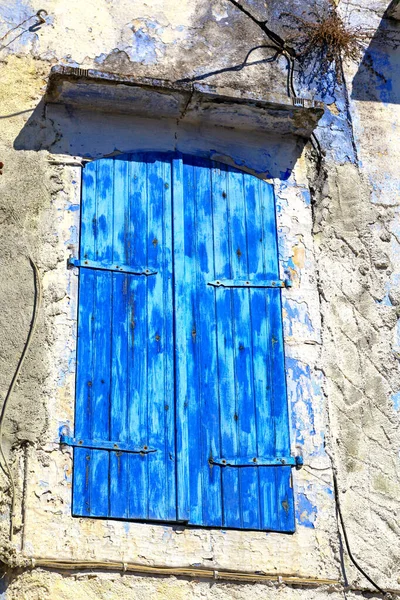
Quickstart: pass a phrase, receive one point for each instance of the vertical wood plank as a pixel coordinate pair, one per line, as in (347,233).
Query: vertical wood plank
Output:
(119,461)
(101,385)
(83,403)
(85,335)
(284,492)
(241,246)
(138,338)
(283,498)
(261,357)
(160,342)
(193,345)
(225,345)
(204,340)
(182,309)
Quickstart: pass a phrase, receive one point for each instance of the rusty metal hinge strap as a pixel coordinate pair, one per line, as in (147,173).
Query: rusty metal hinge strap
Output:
(92,264)
(258,461)
(105,445)
(247,283)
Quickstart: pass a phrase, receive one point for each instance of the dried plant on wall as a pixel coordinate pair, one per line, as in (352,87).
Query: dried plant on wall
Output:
(323,40)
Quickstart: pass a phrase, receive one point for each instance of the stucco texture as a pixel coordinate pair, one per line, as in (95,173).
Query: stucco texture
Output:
(338,241)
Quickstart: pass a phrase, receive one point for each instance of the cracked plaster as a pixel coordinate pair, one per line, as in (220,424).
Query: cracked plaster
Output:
(339,240)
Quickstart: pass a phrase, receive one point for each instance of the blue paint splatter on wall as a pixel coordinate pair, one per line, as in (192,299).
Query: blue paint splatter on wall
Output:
(296,312)
(305,396)
(143,48)
(306,197)
(396,401)
(306,511)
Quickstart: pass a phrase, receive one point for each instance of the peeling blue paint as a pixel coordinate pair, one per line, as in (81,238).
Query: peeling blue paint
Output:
(306,196)
(329,491)
(63,426)
(296,312)
(381,70)
(73,238)
(127,526)
(305,397)
(385,300)
(396,400)
(143,47)
(335,135)
(396,344)
(306,511)
(67,474)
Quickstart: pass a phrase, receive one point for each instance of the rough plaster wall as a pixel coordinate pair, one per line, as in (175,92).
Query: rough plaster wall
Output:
(26,187)
(356,243)
(355,233)
(360,367)
(41,585)
(159,39)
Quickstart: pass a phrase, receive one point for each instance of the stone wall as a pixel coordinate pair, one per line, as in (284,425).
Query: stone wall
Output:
(339,238)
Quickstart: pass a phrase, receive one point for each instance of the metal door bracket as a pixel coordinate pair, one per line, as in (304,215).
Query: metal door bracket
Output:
(105,445)
(92,264)
(247,283)
(259,461)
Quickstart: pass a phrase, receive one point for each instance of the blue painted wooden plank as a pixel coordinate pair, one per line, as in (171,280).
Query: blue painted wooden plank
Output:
(182,310)
(168,402)
(102,339)
(162,502)
(84,377)
(284,491)
(262,374)
(225,342)
(83,402)
(119,462)
(241,247)
(138,339)
(193,346)
(281,517)
(269,245)
(204,339)
(88,233)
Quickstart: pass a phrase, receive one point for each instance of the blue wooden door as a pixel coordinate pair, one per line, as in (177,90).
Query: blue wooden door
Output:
(181,401)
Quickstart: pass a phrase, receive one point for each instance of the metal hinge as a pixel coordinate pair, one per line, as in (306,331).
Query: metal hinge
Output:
(92,264)
(258,461)
(245,283)
(105,445)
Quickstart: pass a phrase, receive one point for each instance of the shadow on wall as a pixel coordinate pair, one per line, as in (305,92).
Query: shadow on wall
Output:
(378,77)
(66,130)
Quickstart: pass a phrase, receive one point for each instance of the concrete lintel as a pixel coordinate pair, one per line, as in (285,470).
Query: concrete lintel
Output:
(189,102)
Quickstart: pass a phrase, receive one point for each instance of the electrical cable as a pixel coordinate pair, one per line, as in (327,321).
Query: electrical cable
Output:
(274,37)
(346,539)
(36,306)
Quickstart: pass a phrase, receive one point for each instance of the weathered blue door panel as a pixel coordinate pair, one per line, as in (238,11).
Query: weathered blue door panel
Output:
(171,362)
(236,404)
(125,373)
